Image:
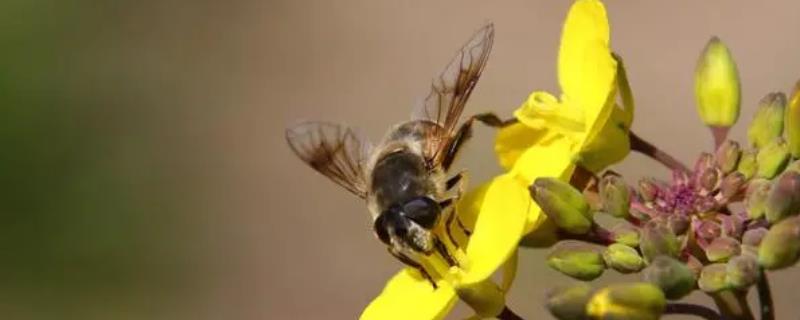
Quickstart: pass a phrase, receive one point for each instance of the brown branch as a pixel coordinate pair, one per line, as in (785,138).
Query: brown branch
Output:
(642,146)
(692,309)
(765,297)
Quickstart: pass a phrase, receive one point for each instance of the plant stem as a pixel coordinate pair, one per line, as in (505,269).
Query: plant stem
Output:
(507,314)
(692,309)
(582,179)
(642,146)
(719,134)
(733,305)
(765,297)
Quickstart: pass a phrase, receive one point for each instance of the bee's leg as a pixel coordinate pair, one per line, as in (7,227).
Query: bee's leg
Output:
(492,120)
(448,223)
(453,219)
(454,181)
(442,249)
(465,132)
(464,228)
(411,263)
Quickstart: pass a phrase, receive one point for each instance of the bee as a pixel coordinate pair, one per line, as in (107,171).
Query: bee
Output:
(404,178)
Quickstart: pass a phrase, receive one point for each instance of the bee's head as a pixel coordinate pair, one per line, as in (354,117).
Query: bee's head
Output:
(409,224)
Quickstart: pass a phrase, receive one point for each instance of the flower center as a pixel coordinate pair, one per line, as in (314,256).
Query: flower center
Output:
(685,199)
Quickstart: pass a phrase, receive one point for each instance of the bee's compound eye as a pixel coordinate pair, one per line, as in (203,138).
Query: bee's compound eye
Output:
(381,231)
(422,210)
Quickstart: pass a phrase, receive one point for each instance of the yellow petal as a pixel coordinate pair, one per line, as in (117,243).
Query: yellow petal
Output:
(498,228)
(469,206)
(553,157)
(543,111)
(512,141)
(586,69)
(610,146)
(612,143)
(409,296)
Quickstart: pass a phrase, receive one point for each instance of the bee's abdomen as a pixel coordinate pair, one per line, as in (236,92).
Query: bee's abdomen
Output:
(398,177)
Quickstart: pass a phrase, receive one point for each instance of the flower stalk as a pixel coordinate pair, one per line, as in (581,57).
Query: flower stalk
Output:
(765,297)
(733,305)
(692,309)
(644,147)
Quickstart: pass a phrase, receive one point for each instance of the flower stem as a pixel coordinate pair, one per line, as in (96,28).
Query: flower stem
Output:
(719,134)
(507,314)
(765,297)
(692,309)
(733,305)
(642,146)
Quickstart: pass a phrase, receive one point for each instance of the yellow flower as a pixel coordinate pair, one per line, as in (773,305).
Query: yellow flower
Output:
(497,229)
(553,136)
(587,113)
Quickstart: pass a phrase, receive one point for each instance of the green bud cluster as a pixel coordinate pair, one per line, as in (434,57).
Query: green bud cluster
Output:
(676,246)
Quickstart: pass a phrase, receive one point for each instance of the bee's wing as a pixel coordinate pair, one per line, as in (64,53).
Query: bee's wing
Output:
(450,91)
(334,150)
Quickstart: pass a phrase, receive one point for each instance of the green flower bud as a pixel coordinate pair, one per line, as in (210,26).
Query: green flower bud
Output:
(742,271)
(748,164)
(678,224)
(722,249)
(794,166)
(695,265)
(484,297)
(576,260)
(753,237)
(772,158)
(792,123)
(716,86)
(749,251)
(648,189)
(623,258)
(656,240)
(713,278)
(563,204)
(674,278)
(732,184)
(767,124)
(626,234)
(569,302)
(564,191)
(732,225)
(628,301)
(615,196)
(783,199)
(728,156)
(756,197)
(704,162)
(709,179)
(780,247)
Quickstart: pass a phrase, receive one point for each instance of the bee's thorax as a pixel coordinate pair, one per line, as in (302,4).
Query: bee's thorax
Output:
(398,177)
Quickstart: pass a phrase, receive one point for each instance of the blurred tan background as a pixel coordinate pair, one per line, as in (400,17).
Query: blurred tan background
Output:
(144,173)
